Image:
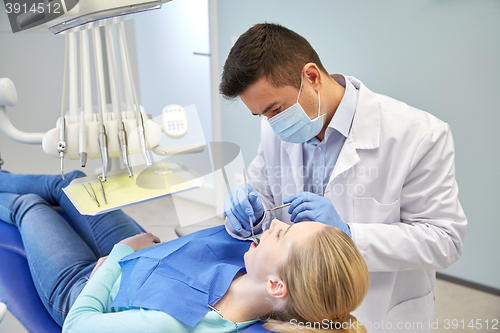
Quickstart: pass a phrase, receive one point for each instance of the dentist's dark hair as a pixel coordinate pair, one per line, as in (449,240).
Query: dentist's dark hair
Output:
(266,50)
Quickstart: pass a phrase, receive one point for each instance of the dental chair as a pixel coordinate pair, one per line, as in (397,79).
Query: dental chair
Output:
(3,311)
(16,286)
(18,292)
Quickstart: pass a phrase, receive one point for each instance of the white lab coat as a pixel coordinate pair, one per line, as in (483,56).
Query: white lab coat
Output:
(394,184)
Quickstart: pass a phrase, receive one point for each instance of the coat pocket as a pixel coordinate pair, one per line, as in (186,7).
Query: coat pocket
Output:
(414,315)
(369,210)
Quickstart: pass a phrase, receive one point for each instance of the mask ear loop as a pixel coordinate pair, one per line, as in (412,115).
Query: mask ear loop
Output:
(300,89)
(319,104)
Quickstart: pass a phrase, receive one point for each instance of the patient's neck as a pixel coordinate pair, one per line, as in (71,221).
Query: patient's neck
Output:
(244,300)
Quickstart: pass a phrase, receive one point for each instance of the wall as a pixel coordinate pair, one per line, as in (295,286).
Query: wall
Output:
(440,56)
(169,69)
(174,66)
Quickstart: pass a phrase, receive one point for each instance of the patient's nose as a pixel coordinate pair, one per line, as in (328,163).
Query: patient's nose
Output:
(276,223)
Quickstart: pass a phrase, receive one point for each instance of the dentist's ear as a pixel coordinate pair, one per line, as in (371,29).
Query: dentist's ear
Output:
(276,288)
(312,74)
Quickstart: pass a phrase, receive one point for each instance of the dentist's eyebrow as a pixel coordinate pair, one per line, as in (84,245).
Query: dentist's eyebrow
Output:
(269,107)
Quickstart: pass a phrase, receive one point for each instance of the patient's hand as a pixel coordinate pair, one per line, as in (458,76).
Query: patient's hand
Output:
(99,263)
(141,241)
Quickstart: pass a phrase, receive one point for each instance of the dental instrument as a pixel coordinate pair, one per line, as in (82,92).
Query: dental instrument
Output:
(82,139)
(61,145)
(288,204)
(278,207)
(82,131)
(248,197)
(122,134)
(94,197)
(73,74)
(103,144)
(85,59)
(103,139)
(140,120)
(69,61)
(102,189)
(73,80)
(126,83)
(142,138)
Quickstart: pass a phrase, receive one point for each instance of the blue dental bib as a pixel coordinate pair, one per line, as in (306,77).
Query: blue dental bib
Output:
(183,276)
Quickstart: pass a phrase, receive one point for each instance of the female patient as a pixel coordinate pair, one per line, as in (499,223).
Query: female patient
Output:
(307,277)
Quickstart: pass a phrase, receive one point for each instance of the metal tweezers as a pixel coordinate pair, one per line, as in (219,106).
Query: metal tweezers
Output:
(94,197)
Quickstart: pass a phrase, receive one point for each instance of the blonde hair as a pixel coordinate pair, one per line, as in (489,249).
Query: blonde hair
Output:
(327,279)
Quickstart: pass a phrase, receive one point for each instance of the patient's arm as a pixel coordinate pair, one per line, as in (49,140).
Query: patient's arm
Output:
(141,241)
(88,312)
(136,242)
(96,267)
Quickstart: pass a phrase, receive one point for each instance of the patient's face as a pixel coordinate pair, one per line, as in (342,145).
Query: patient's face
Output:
(275,244)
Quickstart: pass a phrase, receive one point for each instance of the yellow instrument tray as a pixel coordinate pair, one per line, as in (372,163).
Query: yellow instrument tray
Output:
(153,182)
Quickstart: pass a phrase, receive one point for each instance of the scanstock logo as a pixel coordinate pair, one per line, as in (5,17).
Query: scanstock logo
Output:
(25,15)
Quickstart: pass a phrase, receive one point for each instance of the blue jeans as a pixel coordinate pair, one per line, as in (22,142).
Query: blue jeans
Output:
(60,256)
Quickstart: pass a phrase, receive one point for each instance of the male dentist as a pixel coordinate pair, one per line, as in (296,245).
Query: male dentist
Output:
(374,167)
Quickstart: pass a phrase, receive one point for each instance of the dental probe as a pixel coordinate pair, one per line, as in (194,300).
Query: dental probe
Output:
(288,204)
(248,197)
(61,145)
(122,134)
(103,139)
(278,207)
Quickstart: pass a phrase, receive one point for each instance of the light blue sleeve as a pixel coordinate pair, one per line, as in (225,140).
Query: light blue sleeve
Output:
(88,313)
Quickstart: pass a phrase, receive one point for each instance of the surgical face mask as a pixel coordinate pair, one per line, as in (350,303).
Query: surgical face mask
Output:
(294,125)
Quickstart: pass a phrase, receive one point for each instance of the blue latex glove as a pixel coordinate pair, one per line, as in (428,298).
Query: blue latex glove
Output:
(238,209)
(307,206)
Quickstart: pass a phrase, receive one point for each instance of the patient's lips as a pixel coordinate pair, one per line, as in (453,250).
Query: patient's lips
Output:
(254,245)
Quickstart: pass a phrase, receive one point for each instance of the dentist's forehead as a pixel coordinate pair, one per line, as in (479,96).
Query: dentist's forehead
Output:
(263,96)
